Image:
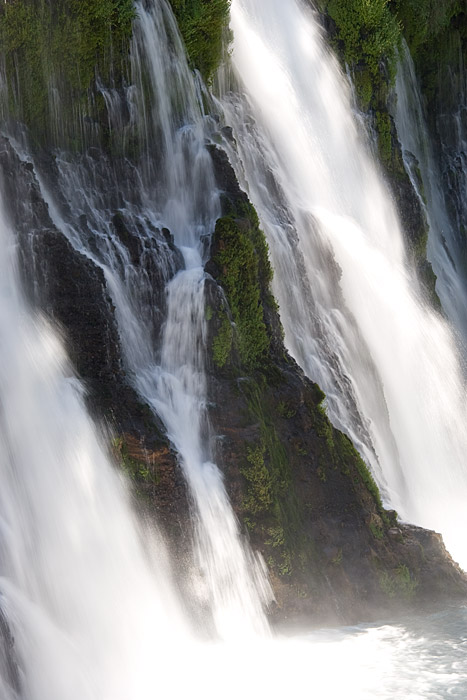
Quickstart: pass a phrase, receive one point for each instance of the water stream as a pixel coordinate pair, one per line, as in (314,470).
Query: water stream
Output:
(94,613)
(176,190)
(388,364)
(445,247)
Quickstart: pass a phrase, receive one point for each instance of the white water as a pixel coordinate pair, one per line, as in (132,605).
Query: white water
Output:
(176,190)
(444,249)
(87,609)
(302,142)
(93,615)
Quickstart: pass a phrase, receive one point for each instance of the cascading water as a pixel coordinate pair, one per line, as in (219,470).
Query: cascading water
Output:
(177,190)
(302,146)
(444,249)
(90,616)
(87,610)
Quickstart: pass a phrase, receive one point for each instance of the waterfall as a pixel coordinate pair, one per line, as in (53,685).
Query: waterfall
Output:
(86,607)
(175,191)
(349,302)
(444,249)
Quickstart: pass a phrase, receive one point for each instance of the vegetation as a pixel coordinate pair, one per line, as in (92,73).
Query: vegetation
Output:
(269,506)
(422,20)
(203,25)
(241,255)
(136,469)
(436,33)
(399,583)
(60,45)
(367,29)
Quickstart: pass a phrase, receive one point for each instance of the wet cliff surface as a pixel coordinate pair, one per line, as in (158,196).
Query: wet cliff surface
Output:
(303,496)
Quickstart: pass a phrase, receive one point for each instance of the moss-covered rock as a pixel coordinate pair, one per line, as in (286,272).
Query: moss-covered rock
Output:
(304,495)
(203,25)
(52,53)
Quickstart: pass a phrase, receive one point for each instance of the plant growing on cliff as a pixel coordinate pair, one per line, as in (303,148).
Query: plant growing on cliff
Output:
(367,29)
(241,256)
(52,48)
(203,24)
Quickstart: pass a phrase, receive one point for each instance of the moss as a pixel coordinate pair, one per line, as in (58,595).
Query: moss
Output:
(61,46)
(259,496)
(423,20)
(270,501)
(203,24)
(398,583)
(222,343)
(383,125)
(376,531)
(363,81)
(367,35)
(135,469)
(285,410)
(241,256)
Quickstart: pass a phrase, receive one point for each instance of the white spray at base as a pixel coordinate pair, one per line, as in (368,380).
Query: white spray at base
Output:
(297,140)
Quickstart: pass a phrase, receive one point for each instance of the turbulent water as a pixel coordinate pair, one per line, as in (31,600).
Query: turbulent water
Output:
(388,363)
(95,614)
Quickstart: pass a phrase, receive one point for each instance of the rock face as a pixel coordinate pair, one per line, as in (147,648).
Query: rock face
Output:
(301,492)
(71,290)
(305,496)
(299,489)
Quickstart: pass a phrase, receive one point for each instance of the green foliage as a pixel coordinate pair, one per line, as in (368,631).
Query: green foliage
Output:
(423,20)
(270,503)
(363,82)
(203,24)
(285,410)
(399,583)
(259,494)
(222,343)
(383,125)
(60,45)
(135,469)
(376,531)
(242,259)
(368,31)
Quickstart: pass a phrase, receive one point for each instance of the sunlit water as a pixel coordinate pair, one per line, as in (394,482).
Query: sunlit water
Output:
(388,364)
(88,592)
(163,337)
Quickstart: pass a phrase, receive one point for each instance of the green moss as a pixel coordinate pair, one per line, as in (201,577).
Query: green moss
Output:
(270,501)
(259,496)
(242,260)
(383,125)
(398,583)
(209,313)
(367,35)
(364,87)
(376,531)
(222,343)
(135,469)
(203,24)
(60,45)
(285,410)
(423,20)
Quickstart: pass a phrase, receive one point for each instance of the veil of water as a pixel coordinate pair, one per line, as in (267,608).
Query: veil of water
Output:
(176,190)
(76,584)
(397,386)
(444,248)
(93,612)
